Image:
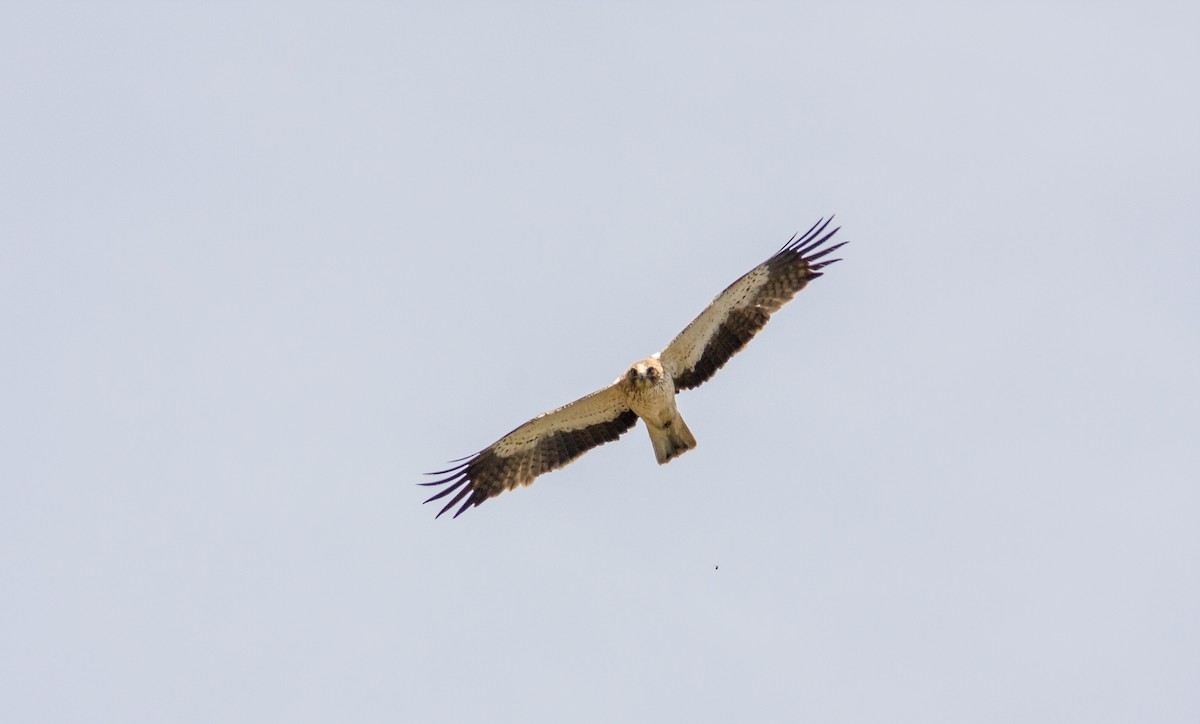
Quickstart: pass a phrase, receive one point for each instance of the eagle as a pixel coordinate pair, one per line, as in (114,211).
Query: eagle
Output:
(648,388)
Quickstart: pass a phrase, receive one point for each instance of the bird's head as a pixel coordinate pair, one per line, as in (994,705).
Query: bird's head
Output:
(646,373)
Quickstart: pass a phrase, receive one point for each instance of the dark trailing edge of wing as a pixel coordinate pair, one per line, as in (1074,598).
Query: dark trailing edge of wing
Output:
(486,474)
(791,268)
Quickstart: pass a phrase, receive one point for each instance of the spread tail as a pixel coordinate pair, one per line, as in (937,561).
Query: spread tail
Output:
(671,440)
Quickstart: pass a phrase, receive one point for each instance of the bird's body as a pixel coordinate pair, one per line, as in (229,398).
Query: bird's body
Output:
(648,389)
(650,392)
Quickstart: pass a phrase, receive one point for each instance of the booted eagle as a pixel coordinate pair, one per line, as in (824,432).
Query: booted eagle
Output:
(647,389)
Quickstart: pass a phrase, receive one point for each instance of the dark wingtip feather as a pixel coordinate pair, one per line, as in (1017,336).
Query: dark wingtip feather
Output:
(461,494)
(471,502)
(803,236)
(788,243)
(822,265)
(442,481)
(814,245)
(463,462)
(802,243)
(451,486)
(824,252)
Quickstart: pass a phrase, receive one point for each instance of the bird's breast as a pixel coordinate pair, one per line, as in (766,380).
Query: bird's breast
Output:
(652,402)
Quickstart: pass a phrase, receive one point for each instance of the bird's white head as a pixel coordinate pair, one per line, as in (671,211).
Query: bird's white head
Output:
(645,373)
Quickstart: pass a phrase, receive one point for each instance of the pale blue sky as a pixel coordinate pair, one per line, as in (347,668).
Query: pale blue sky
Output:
(262,267)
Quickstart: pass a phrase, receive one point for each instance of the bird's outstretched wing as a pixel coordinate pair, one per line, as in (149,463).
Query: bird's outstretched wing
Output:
(737,313)
(548,441)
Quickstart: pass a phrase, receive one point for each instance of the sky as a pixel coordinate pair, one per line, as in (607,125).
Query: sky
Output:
(264,266)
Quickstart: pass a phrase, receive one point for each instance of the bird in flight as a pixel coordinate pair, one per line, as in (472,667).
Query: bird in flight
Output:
(647,389)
